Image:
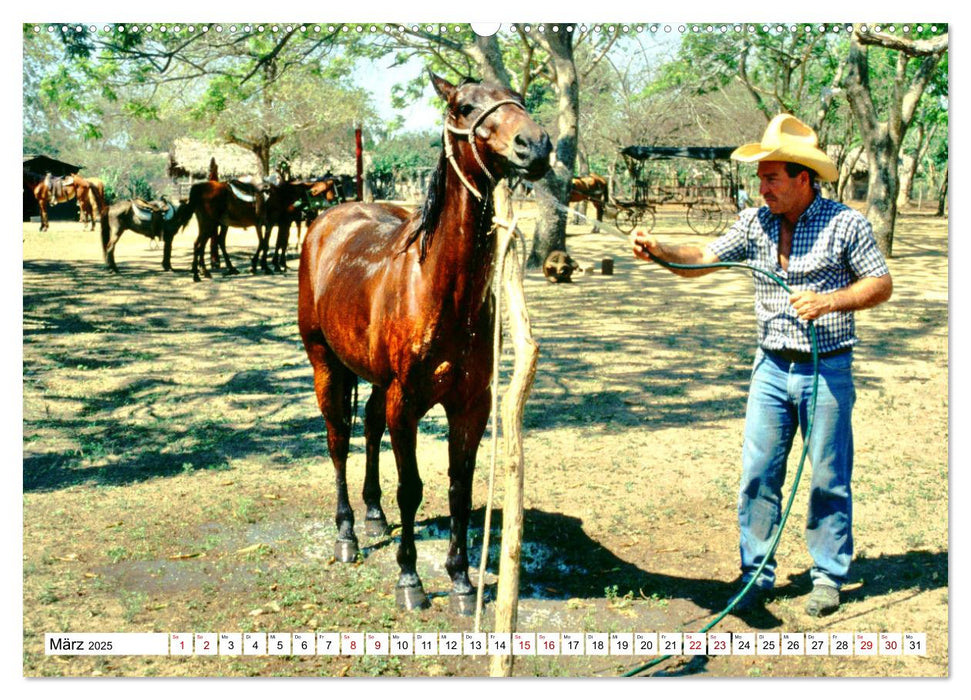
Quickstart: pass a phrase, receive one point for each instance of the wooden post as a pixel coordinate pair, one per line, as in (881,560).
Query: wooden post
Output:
(526,354)
(359,160)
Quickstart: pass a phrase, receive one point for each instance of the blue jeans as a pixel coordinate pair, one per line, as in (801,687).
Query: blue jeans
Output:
(778,404)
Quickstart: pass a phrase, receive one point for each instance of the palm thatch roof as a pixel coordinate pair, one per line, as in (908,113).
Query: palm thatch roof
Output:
(191,158)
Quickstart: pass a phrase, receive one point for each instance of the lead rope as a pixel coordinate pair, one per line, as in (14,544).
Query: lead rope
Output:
(503,243)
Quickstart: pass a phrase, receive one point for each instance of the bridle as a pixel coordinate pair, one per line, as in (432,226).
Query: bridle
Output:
(470,133)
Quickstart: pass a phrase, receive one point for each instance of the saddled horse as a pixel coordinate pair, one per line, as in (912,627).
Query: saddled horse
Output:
(55,190)
(289,203)
(155,219)
(590,188)
(403,300)
(219,205)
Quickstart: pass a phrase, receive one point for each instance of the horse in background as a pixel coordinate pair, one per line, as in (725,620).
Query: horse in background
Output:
(155,219)
(403,300)
(590,188)
(55,190)
(290,203)
(219,205)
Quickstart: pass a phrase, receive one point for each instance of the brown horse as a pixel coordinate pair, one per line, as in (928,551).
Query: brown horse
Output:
(156,219)
(55,190)
(219,205)
(287,204)
(404,302)
(590,188)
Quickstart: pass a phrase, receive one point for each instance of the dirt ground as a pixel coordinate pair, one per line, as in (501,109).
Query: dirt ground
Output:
(175,476)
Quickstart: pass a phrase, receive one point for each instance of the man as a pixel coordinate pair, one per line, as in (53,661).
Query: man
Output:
(827,254)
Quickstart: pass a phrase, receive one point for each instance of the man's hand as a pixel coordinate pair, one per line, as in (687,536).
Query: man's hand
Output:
(810,305)
(645,245)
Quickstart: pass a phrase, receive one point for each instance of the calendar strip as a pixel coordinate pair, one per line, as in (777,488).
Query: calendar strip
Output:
(486,644)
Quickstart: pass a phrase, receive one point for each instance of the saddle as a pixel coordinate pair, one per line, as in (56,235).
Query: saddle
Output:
(247,190)
(144,211)
(57,187)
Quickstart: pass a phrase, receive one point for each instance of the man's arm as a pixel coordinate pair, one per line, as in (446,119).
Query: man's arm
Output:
(865,293)
(646,245)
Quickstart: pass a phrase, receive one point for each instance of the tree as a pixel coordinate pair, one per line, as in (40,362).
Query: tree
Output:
(916,61)
(250,85)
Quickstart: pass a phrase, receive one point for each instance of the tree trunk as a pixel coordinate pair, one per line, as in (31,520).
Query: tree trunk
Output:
(883,139)
(942,197)
(550,232)
(883,184)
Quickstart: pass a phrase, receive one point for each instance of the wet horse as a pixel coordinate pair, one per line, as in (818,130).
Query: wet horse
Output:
(219,205)
(157,219)
(590,188)
(287,204)
(404,302)
(55,190)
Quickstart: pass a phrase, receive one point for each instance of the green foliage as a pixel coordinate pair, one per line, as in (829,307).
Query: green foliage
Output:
(404,152)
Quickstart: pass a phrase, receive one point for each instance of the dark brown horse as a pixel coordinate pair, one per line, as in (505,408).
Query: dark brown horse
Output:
(219,205)
(289,203)
(156,219)
(590,188)
(55,190)
(404,302)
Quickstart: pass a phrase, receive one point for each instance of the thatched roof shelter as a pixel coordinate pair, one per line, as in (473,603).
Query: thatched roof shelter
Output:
(191,158)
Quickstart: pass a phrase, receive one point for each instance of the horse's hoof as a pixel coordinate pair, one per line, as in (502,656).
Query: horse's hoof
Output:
(462,603)
(345,551)
(411,598)
(376,527)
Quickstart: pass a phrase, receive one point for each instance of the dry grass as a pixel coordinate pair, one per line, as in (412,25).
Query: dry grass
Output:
(170,428)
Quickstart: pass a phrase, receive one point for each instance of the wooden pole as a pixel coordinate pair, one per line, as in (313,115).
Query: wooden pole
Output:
(526,353)
(359,160)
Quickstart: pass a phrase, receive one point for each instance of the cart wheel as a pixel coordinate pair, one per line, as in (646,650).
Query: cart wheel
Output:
(704,219)
(647,219)
(627,219)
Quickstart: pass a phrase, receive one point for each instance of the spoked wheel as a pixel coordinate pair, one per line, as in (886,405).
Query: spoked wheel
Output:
(705,219)
(628,218)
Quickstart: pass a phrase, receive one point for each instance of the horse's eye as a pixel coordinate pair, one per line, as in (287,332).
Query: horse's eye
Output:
(466,110)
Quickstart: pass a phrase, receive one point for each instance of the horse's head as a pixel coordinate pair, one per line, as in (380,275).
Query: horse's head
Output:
(326,188)
(492,131)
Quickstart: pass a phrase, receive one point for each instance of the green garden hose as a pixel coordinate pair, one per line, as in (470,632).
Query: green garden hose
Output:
(811,329)
(802,459)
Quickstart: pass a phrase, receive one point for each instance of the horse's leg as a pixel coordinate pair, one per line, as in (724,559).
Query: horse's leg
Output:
(409,593)
(199,251)
(466,424)
(42,204)
(332,385)
(375,522)
(221,240)
(214,252)
(167,250)
(263,251)
(110,248)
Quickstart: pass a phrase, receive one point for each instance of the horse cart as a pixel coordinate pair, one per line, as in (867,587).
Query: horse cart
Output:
(702,179)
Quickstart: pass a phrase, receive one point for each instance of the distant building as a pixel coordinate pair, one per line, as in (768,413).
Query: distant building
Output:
(36,168)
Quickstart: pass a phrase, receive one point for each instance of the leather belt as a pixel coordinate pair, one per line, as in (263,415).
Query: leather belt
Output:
(796,356)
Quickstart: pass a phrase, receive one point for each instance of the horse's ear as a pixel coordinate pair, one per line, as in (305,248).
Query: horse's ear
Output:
(444,88)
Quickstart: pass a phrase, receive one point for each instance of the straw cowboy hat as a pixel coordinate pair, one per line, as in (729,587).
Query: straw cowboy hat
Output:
(788,140)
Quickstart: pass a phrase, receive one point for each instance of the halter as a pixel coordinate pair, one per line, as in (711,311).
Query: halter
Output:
(470,133)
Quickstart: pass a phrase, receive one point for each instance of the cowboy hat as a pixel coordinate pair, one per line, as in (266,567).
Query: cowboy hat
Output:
(788,140)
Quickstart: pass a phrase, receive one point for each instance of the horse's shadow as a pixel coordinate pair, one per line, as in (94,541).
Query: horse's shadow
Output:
(560,561)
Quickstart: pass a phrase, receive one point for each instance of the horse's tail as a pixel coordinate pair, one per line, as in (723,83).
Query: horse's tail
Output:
(96,195)
(105,232)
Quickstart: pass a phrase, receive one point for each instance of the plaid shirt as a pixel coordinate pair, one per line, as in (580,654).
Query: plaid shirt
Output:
(832,247)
